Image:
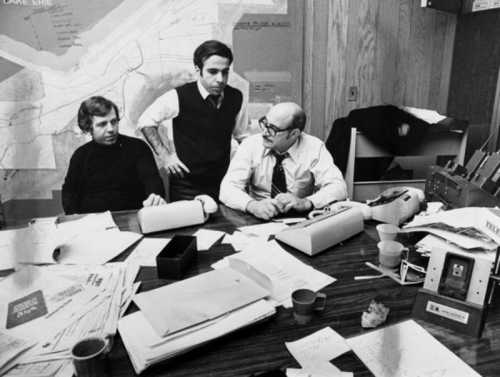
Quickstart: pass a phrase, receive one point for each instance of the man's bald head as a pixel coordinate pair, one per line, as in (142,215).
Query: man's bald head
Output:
(290,115)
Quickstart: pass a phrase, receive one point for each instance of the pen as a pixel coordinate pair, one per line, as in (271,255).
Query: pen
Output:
(366,277)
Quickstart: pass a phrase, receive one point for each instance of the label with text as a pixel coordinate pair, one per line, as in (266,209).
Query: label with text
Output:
(26,309)
(447,312)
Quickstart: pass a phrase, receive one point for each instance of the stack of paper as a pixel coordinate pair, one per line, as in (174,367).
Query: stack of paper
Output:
(204,297)
(268,264)
(470,228)
(182,315)
(55,306)
(150,348)
(92,239)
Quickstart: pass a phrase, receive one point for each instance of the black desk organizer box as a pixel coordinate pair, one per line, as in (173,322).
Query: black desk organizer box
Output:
(175,258)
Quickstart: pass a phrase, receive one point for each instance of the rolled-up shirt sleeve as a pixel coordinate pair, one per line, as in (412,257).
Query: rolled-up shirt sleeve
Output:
(233,189)
(329,185)
(148,172)
(241,129)
(164,108)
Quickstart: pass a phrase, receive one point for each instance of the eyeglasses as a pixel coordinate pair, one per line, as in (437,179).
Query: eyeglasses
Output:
(270,128)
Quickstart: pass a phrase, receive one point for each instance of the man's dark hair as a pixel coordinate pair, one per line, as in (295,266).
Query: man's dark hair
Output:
(98,106)
(299,120)
(209,48)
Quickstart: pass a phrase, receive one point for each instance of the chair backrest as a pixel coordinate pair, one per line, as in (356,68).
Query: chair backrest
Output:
(433,146)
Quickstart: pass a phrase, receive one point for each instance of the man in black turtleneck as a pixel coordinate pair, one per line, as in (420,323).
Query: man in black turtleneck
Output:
(113,171)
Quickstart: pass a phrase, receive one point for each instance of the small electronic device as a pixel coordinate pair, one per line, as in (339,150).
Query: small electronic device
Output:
(456,289)
(455,279)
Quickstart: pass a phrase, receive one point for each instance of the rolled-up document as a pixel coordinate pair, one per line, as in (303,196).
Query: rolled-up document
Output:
(170,216)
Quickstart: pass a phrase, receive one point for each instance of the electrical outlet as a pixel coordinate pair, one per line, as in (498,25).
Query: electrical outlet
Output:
(353,93)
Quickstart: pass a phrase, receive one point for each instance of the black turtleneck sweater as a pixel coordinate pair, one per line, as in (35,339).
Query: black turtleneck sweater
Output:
(116,177)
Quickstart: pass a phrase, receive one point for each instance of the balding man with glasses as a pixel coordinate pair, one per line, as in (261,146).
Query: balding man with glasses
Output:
(283,169)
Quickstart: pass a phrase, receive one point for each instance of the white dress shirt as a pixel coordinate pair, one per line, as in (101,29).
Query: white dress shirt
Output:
(309,170)
(166,108)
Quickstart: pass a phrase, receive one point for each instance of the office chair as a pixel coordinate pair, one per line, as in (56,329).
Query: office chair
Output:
(373,145)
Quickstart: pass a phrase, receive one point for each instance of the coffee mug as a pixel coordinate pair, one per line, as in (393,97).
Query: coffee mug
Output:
(90,357)
(305,303)
(387,232)
(390,253)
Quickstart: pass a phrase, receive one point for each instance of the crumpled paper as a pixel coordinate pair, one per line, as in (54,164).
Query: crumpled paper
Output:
(375,315)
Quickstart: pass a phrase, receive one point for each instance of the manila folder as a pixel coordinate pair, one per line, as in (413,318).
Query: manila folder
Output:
(189,302)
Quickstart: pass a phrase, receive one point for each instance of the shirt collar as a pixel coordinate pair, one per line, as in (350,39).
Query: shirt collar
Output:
(204,93)
(293,151)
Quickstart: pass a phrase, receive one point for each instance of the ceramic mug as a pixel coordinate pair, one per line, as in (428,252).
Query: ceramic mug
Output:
(305,303)
(90,357)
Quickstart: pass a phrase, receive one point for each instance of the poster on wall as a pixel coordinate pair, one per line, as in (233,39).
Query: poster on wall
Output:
(56,53)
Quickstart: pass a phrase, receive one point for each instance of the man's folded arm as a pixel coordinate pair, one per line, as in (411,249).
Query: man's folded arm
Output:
(234,184)
(329,185)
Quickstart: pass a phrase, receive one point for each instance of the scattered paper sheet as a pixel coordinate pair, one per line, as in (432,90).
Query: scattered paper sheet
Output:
(407,350)
(430,116)
(146,251)
(96,248)
(263,230)
(240,240)
(39,369)
(323,345)
(321,369)
(276,270)
(205,238)
(10,347)
(11,241)
(88,223)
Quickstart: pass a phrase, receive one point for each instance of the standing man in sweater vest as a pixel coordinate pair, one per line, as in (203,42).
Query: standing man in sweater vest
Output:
(205,115)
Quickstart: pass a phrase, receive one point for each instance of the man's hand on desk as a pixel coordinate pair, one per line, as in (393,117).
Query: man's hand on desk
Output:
(263,209)
(287,202)
(153,200)
(282,203)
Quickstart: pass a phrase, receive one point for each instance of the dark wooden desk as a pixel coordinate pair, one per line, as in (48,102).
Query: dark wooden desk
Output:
(261,347)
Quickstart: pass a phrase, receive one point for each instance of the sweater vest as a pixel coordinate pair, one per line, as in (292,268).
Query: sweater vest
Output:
(202,133)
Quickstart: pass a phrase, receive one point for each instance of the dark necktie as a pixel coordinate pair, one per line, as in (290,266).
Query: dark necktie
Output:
(278,182)
(213,100)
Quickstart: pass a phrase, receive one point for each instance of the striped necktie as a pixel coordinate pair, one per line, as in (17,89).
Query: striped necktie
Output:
(278,182)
